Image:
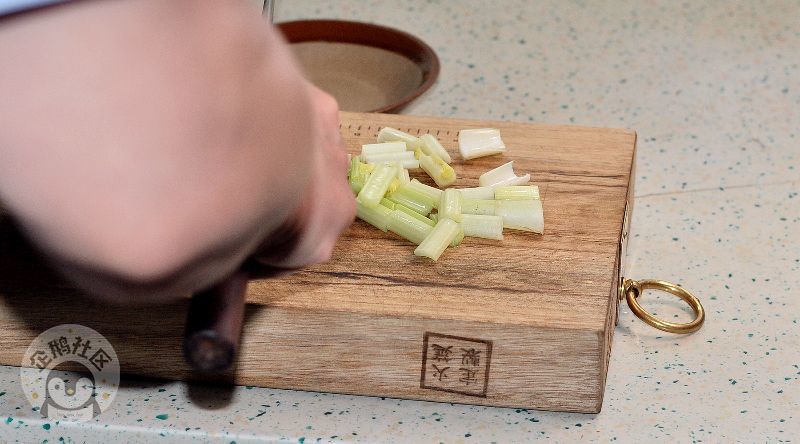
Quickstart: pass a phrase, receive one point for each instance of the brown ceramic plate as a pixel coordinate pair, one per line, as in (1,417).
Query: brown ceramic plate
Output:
(368,68)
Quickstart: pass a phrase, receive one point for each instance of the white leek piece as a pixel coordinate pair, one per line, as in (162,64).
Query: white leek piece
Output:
(388,157)
(459,237)
(357,183)
(379,216)
(443,174)
(410,164)
(401,178)
(438,240)
(483,226)
(358,174)
(477,193)
(402,175)
(414,214)
(503,176)
(417,192)
(473,143)
(433,193)
(431,145)
(525,215)
(388,134)
(524,192)
(409,227)
(450,204)
(353,175)
(393,186)
(377,184)
(416,205)
(417,201)
(478,206)
(382,148)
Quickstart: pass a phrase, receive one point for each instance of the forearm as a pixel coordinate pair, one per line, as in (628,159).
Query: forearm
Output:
(162,167)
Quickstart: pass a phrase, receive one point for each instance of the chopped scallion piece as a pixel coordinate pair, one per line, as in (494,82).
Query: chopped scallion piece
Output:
(356,183)
(441,173)
(388,203)
(502,176)
(418,193)
(524,192)
(433,193)
(402,175)
(481,142)
(354,166)
(390,200)
(450,204)
(377,184)
(393,186)
(459,237)
(378,217)
(382,148)
(409,227)
(483,226)
(388,134)
(357,174)
(477,193)
(438,240)
(478,206)
(401,178)
(417,201)
(410,164)
(388,157)
(525,215)
(414,214)
(366,168)
(432,146)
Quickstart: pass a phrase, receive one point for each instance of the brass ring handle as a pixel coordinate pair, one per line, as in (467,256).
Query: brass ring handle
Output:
(633,289)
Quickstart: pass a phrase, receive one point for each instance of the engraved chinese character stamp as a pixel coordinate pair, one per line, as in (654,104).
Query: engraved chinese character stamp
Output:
(455,364)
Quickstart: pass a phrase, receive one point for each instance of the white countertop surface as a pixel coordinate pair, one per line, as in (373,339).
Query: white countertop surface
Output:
(713,90)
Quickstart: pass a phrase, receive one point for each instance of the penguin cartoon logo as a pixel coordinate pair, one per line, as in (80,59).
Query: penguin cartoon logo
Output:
(70,372)
(70,395)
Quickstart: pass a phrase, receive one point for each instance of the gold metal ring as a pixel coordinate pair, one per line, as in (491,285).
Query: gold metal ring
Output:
(633,289)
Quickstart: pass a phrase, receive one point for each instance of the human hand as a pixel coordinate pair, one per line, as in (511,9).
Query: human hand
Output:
(162,142)
(327,208)
(307,237)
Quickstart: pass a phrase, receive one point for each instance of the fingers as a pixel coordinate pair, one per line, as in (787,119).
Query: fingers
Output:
(326,106)
(328,207)
(328,210)
(332,144)
(336,212)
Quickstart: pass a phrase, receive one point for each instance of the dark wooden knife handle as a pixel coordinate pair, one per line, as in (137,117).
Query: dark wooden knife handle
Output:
(214,324)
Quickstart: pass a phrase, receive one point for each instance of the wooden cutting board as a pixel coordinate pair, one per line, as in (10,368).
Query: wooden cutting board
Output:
(526,322)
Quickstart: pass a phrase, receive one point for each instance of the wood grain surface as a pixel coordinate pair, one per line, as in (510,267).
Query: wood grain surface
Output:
(528,320)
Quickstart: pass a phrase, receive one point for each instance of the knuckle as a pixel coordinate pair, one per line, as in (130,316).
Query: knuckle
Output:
(325,252)
(330,103)
(328,106)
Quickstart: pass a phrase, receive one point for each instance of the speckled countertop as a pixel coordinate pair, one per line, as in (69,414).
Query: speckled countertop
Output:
(713,89)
